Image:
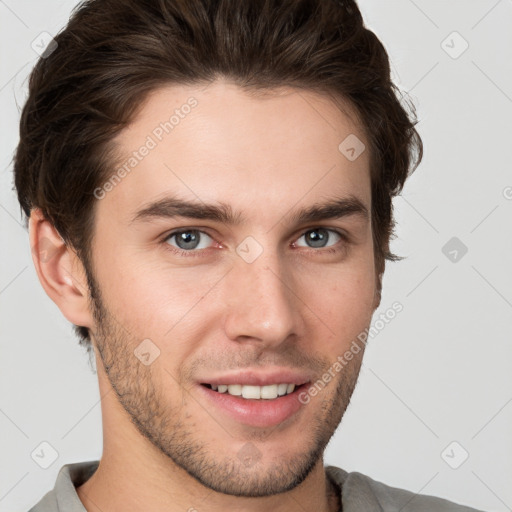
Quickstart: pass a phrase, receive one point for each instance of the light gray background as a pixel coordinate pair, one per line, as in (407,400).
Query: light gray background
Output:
(438,373)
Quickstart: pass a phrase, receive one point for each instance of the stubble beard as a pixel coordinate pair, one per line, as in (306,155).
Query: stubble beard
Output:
(173,432)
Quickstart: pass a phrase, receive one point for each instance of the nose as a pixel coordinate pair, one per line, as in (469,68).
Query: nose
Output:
(261,302)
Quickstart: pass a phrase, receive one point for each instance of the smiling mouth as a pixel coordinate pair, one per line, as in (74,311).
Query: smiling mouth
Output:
(248,392)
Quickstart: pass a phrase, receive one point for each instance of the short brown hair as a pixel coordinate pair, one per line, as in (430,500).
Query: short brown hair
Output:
(114,52)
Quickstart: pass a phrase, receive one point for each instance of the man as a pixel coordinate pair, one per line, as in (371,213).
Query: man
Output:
(209,189)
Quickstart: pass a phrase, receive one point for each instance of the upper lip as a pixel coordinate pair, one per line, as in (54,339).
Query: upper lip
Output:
(260,378)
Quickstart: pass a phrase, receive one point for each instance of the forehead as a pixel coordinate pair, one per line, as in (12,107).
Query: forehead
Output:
(261,153)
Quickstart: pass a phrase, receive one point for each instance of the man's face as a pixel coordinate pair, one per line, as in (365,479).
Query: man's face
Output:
(269,299)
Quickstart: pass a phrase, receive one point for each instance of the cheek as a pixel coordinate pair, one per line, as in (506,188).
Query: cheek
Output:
(155,300)
(343,301)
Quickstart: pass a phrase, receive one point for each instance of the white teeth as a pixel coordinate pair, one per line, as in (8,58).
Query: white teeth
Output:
(251,391)
(281,389)
(235,389)
(269,392)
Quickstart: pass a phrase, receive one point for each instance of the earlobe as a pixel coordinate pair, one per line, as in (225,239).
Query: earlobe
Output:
(59,270)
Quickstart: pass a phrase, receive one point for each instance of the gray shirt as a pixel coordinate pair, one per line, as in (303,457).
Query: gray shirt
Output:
(359,493)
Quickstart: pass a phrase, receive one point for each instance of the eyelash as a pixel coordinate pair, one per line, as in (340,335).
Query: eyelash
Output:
(199,252)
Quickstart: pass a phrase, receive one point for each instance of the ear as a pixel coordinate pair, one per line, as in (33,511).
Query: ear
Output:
(60,271)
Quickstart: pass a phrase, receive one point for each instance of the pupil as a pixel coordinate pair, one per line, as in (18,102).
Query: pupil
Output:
(317,237)
(186,240)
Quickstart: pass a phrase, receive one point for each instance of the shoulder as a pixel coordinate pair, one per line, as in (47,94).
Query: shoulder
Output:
(63,496)
(48,503)
(360,492)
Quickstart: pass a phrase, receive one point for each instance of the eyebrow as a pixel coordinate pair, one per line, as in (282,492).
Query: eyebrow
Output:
(172,207)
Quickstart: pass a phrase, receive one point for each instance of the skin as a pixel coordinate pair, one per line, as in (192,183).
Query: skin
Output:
(164,446)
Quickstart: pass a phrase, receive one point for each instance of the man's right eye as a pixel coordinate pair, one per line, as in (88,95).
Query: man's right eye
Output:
(187,241)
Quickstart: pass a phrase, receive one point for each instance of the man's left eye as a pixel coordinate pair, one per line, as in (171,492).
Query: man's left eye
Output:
(319,237)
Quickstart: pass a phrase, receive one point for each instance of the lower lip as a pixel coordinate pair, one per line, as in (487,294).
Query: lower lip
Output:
(256,413)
